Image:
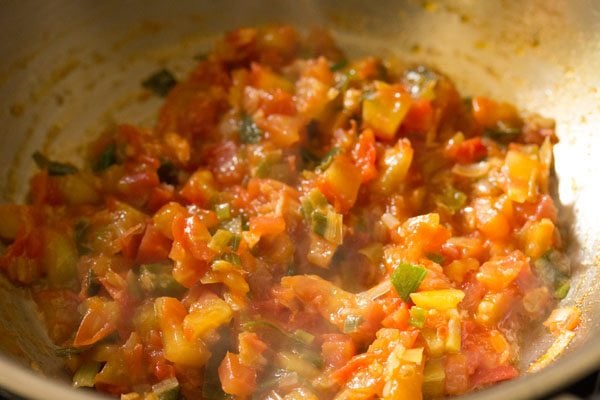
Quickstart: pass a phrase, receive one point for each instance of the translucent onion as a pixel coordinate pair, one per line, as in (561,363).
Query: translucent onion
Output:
(474,170)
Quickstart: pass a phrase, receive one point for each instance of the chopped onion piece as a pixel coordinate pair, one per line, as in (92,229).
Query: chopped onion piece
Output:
(474,170)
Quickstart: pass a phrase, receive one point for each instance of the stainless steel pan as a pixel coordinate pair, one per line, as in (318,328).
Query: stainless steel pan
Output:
(70,69)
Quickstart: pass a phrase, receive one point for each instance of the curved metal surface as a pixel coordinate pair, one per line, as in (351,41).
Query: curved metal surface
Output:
(70,69)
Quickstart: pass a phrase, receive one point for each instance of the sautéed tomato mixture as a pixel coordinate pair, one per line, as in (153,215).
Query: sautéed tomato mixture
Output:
(297,225)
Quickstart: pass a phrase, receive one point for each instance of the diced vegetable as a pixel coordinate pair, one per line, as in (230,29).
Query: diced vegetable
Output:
(329,226)
(236,379)
(562,290)
(434,343)
(444,299)
(198,323)
(157,280)
(54,168)
(421,82)
(220,240)
(161,82)
(385,109)
(537,237)
(352,323)
(107,157)
(249,132)
(99,321)
(453,340)
(499,273)
(406,279)
(339,184)
(86,374)
(200,187)
(60,260)
(320,251)
(293,362)
(223,211)
(493,307)
(434,377)
(522,172)
(167,389)
(394,166)
(417,316)
(178,349)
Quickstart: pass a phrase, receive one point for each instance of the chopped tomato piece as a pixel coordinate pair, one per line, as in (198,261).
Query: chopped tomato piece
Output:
(236,379)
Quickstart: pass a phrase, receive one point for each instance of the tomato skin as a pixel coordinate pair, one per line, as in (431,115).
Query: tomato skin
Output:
(469,151)
(153,247)
(337,350)
(365,155)
(419,118)
(457,374)
(236,379)
(493,375)
(99,321)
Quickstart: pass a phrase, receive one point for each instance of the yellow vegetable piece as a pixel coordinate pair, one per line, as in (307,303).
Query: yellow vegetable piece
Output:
(386,109)
(434,344)
(198,323)
(522,173)
(444,299)
(492,308)
(394,166)
(434,378)
(60,260)
(537,237)
(453,341)
(177,348)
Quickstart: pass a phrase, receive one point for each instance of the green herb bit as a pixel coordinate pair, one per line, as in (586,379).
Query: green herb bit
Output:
(168,173)
(232,258)
(453,199)
(249,132)
(223,211)
(406,279)
(319,223)
(67,351)
(220,240)
(107,158)
(503,133)
(352,323)
(417,317)
(436,258)
(167,389)
(54,168)
(235,241)
(160,82)
(255,325)
(339,65)
(562,290)
(86,374)
(328,158)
